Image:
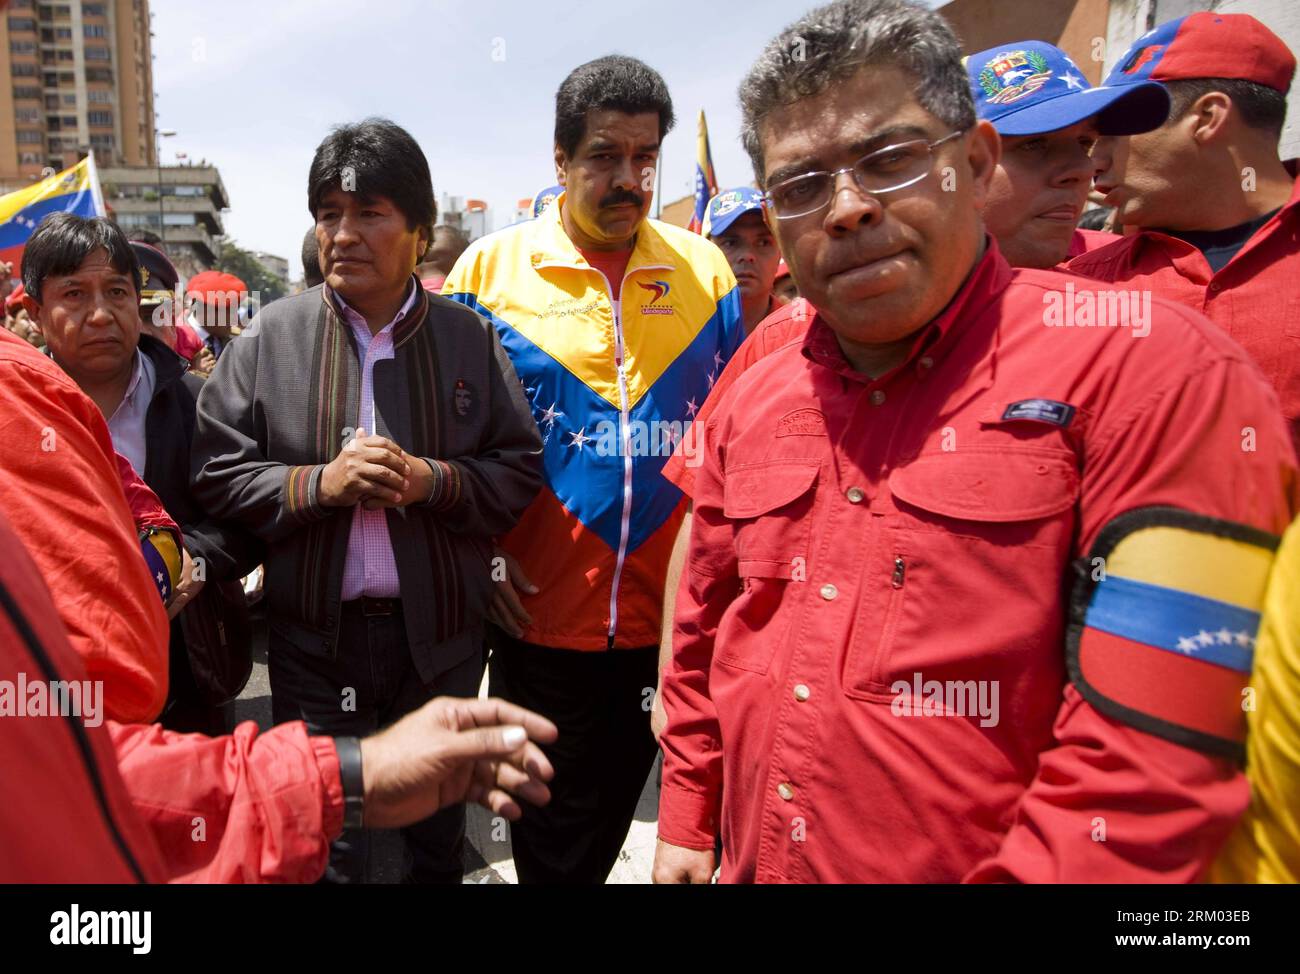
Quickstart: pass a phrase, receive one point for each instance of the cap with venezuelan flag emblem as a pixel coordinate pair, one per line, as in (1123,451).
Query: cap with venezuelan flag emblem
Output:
(728,207)
(545,198)
(1032,87)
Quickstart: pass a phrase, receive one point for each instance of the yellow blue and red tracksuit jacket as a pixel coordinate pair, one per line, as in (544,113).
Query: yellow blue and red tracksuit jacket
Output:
(613,384)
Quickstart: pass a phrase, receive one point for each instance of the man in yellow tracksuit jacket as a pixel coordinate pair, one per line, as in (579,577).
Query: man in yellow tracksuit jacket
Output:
(618,326)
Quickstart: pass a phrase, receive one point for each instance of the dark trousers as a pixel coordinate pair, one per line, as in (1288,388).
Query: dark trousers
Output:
(370,684)
(186,710)
(601,703)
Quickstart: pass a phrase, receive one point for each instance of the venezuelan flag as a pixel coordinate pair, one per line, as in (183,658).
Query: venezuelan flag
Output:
(162,556)
(1166,638)
(706,182)
(74,190)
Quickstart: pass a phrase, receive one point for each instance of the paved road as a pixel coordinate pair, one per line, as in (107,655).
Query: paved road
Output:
(488,856)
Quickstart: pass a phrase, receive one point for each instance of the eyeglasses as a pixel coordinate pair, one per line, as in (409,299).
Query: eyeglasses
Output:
(892,168)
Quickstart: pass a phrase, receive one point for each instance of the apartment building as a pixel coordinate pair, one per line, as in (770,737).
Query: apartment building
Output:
(77,78)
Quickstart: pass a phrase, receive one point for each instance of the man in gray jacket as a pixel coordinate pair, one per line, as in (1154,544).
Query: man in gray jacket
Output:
(376,437)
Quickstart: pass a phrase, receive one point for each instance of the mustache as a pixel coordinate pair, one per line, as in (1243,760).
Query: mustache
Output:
(621,196)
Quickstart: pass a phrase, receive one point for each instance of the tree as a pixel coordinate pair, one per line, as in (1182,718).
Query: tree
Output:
(236,260)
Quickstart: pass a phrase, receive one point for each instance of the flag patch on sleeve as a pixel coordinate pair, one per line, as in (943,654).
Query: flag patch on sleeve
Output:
(1163,622)
(162,556)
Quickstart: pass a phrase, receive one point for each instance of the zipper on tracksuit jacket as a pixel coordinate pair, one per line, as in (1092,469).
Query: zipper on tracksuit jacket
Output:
(625,435)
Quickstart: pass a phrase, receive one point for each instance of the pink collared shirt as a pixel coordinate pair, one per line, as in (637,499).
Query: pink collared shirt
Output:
(370,569)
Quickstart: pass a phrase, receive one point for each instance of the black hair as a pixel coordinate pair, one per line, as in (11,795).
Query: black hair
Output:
(311,274)
(1262,108)
(1095,218)
(62,243)
(375,157)
(623,84)
(459,239)
(456,233)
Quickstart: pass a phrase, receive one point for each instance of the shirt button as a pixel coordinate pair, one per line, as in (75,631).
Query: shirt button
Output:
(785,791)
(878,397)
(829,592)
(926,362)
(855,495)
(801,692)
(1216,286)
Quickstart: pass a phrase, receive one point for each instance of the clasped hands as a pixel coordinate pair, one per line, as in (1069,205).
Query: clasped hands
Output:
(374,472)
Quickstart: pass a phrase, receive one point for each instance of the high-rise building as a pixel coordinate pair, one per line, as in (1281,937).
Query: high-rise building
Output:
(77,77)
(471,217)
(183,210)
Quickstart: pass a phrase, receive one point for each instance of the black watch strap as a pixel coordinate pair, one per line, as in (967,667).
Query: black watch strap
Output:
(349,752)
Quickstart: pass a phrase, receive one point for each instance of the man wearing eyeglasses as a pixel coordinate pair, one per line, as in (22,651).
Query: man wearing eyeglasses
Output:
(972,585)
(1039,188)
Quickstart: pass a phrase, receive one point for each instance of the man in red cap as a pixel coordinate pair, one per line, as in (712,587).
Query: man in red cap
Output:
(1214,206)
(214,299)
(17,320)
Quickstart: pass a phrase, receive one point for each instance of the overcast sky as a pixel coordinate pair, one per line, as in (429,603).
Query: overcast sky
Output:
(254,86)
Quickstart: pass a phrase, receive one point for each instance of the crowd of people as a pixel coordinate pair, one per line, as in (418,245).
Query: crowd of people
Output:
(928,509)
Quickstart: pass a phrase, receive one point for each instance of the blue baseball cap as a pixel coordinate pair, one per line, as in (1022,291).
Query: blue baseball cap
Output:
(545,198)
(1031,87)
(728,207)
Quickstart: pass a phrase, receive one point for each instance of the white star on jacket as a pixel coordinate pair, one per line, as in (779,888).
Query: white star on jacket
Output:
(579,439)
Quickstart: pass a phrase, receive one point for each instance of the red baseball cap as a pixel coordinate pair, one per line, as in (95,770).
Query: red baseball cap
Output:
(214,287)
(15,299)
(1208,45)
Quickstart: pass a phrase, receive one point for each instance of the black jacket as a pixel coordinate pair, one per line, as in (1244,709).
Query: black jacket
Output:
(278,408)
(228,551)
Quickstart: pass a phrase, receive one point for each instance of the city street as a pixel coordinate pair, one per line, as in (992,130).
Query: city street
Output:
(488,857)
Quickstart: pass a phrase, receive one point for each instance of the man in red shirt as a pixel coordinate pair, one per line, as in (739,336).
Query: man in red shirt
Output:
(1214,206)
(734,221)
(968,595)
(1048,117)
(1047,129)
(1047,124)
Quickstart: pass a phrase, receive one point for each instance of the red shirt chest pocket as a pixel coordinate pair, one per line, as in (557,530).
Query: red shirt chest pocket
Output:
(967,579)
(770,503)
(771,507)
(1000,484)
